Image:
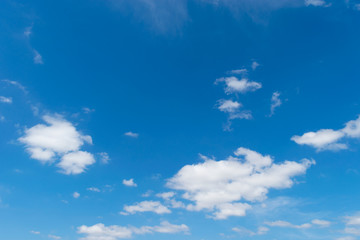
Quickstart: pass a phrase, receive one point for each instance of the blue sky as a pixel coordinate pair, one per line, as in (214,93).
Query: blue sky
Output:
(197,119)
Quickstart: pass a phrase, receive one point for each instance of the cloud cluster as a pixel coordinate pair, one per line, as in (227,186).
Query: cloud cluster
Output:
(329,139)
(101,232)
(59,140)
(226,187)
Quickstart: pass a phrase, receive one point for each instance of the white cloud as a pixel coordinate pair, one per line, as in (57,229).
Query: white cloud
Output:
(287,224)
(37,57)
(88,110)
(275,102)
(226,187)
(316,3)
(76,195)
(34,232)
(129,183)
(93,189)
(254,65)
(58,138)
(229,106)
(328,139)
(5,99)
(75,162)
(16,84)
(166,195)
(104,157)
(346,238)
(54,237)
(101,232)
(260,231)
(28,31)
(131,134)
(324,139)
(146,206)
(321,223)
(238,71)
(234,85)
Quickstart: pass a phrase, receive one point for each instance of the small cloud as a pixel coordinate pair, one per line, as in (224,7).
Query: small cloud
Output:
(275,102)
(104,157)
(88,110)
(28,31)
(37,58)
(34,232)
(254,65)
(131,134)
(5,99)
(238,71)
(321,223)
(316,3)
(234,85)
(76,195)
(129,183)
(93,189)
(54,236)
(16,84)
(146,206)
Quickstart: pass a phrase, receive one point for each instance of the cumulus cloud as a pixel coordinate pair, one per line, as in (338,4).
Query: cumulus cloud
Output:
(229,106)
(321,223)
(146,206)
(166,195)
(129,183)
(37,57)
(5,99)
(101,232)
(328,139)
(227,187)
(58,138)
(234,85)
(275,102)
(131,134)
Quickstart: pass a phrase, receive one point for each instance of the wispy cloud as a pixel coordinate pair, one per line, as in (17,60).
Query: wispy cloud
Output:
(275,102)
(5,99)
(131,134)
(37,57)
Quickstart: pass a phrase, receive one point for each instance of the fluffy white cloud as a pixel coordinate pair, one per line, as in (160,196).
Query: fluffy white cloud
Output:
(131,134)
(5,99)
(101,232)
(324,139)
(275,102)
(76,195)
(227,187)
(75,162)
(234,85)
(129,183)
(60,138)
(229,106)
(328,139)
(146,206)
